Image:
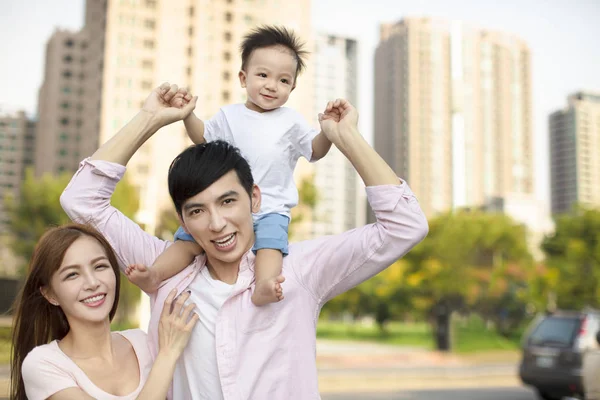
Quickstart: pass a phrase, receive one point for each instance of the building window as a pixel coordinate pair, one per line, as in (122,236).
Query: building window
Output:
(227,36)
(226,76)
(149,44)
(64,137)
(65,105)
(62,152)
(84,45)
(225,96)
(191,31)
(227,56)
(146,85)
(67,58)
(64,121)
(191,11)
(69,43)
(67,74)
(147,64)
(190,51)
(151,3)
(228,17)
(150,24)
(66,89)
(189,71)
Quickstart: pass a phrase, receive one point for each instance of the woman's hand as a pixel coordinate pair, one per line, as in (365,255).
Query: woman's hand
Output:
(176,324)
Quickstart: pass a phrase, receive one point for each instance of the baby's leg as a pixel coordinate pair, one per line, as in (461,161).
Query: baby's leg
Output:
(270,247)
(169,263)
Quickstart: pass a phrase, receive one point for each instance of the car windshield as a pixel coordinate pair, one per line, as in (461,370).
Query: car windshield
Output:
(555,331)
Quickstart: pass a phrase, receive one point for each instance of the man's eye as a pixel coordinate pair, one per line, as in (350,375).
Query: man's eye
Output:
(262,75)
(102,266)
(285,81)
(228,201)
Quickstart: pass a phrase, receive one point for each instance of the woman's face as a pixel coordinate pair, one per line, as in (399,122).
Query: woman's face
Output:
(84,284)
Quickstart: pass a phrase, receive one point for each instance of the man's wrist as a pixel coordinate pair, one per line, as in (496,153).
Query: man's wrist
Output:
(151,121)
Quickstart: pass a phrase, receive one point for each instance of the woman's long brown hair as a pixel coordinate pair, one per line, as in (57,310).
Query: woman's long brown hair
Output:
(36,321)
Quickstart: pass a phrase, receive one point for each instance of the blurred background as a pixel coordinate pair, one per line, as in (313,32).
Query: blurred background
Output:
(490,111)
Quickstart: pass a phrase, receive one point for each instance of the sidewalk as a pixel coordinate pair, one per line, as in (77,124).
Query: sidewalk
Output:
(356,366)
(369,367)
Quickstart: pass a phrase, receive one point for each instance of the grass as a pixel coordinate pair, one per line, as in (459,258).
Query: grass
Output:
(470,336)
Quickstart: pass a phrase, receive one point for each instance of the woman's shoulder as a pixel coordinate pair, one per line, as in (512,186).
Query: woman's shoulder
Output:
(43,353)
(134,335)
(46,360)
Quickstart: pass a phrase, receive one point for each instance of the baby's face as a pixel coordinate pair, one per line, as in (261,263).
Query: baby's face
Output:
(269,78)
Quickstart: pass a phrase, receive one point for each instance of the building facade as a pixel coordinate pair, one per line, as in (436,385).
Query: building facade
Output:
(340,204)
(17,143)
(575,153)
(452,111)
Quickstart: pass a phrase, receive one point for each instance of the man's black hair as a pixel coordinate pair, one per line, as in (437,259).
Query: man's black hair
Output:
(199,166)
(268,36)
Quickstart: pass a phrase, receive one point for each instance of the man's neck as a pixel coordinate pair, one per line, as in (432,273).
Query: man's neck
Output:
(224,272)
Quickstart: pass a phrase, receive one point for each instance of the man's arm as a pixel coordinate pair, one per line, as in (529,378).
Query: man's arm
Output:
(86,198)
(332,265)
(165,105)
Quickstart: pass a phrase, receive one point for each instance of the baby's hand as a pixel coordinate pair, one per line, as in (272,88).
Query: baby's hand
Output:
(180,99)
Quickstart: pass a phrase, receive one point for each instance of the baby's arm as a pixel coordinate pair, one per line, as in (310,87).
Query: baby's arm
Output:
(320,146)
(172,261)
(195,128)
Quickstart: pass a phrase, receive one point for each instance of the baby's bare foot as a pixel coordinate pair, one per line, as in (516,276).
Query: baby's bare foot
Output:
(143,277)
(268,291)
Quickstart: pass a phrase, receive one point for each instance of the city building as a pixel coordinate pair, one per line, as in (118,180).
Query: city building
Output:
(67,108)
(452,111)
(340,204)
(574,153)
(17,142)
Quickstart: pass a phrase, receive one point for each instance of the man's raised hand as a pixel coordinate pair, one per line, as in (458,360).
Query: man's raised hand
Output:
(169,103)
(340,118)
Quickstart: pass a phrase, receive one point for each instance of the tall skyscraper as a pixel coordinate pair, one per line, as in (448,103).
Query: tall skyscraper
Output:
(17,140)
(452,111)
(574,153)
(341,202)
(135,45)
(66,110)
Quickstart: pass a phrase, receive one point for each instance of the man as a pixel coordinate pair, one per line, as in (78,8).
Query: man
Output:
(238,350)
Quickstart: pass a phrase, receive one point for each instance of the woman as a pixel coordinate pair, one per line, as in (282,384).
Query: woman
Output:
(62,344)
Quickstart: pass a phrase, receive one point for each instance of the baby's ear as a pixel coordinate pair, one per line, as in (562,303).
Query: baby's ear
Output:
(242,76)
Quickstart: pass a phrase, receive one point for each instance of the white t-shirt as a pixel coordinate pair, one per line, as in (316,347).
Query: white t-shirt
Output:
(271,142)
(47,370)
(200,358)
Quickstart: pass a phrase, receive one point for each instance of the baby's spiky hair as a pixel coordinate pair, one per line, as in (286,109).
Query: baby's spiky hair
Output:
(267,36)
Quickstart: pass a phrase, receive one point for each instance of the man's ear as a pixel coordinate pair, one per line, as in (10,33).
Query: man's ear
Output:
(180,218)
(256,198)
(242,76)
(48,295)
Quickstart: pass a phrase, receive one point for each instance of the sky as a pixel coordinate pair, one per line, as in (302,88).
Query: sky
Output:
(560,33)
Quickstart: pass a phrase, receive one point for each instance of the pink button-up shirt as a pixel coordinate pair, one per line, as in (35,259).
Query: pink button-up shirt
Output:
(264,352)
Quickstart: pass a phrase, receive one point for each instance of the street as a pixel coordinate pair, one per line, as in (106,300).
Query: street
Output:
(513,393)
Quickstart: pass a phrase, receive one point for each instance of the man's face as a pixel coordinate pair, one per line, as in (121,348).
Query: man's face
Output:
(269,78)
(220,219)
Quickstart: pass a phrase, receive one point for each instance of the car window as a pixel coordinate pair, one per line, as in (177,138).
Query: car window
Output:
(555,331)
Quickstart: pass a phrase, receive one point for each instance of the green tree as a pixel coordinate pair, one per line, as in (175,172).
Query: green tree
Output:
(38,208)
(573,260)
(470,261)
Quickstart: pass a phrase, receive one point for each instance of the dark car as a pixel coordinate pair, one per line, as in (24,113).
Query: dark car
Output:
(553,349)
